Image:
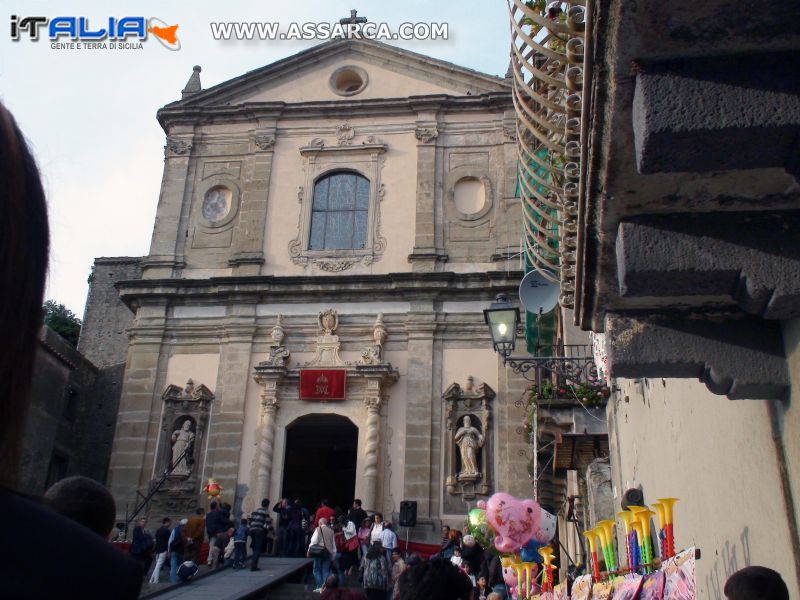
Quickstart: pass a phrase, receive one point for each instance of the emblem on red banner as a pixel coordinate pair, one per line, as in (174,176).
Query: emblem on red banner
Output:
(322,384)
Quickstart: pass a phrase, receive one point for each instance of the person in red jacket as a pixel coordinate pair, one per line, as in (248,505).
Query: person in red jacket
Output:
(323,512)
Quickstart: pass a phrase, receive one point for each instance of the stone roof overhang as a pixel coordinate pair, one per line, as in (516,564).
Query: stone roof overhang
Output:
(192,115)
(373,288)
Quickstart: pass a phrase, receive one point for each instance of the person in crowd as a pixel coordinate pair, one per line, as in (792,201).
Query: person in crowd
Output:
(492,571)
(161,548)
(376,572)
(356,514)
(468,572)
(398,566)
(187,571)
(435,579)
(332,591)
(295,531)
(323,512)
(225,521)
(494,596)
(193,536)
(214,524)
(142,545)
(363,538)
(481,589)
(452,543)
(456,558)
(269,533)
(471,553)
(388,541)
(376,529)
(349,552)
(229,553)
(240,545)
(175,546)
(35,536)
(217,547)
(85,501)
(445,536)
(258,531)
(281,509)
(322,549)
(756,583)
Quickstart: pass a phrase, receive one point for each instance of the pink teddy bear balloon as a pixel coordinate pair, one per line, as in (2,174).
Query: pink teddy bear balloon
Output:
(515,521)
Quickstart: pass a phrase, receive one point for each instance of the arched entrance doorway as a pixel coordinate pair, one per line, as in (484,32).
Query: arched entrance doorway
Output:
(320,460)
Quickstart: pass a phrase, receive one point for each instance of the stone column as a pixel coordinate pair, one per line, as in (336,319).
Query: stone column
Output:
(269,378)
(372,451)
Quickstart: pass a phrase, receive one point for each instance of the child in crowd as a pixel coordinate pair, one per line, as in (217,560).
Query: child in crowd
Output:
(240,545)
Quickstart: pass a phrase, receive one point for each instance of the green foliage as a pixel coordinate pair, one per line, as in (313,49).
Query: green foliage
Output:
(584,394)
(62,320)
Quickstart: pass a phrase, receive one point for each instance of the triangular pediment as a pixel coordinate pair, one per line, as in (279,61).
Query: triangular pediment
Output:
(390,72)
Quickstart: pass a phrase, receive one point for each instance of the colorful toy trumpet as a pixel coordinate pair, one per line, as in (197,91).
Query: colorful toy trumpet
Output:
(636,545)
(607,527)
(627,518)
(644,515)
(591,537)
(547,568)
(668,504)
(662,536)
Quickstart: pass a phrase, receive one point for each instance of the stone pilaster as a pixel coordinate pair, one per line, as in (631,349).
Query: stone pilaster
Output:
(163,261)
(419,412)
(513,449)
(227,421)
(248,236)
(129,469)
(426,254)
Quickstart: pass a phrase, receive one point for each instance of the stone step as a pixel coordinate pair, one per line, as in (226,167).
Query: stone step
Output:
(293,591)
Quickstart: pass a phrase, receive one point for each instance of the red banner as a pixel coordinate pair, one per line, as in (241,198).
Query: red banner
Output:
(322,384)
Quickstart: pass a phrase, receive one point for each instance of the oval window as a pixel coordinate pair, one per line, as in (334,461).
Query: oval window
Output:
(348,81)
(469,195)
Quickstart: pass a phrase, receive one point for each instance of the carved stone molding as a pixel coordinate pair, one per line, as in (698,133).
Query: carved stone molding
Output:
(264,141)
(426,134)
(344,134)
(177,147)
(473,403)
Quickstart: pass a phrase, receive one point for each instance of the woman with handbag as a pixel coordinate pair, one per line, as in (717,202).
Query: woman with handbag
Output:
(349,551)
(322,548)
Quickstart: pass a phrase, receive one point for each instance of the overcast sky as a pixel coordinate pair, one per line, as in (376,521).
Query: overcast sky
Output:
(90,115)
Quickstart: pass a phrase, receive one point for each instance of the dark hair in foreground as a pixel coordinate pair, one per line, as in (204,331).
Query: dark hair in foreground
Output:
(435,579)
(756,583)
(24,244)
(85,501)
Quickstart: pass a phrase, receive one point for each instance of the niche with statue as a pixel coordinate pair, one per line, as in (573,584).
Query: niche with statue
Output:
(468,443)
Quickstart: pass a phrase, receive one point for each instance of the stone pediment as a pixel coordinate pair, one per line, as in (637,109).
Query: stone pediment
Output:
(307,77)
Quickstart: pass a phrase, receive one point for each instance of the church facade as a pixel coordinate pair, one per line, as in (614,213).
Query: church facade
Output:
(308,322)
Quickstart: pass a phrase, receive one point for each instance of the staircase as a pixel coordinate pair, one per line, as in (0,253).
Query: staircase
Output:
(292,591)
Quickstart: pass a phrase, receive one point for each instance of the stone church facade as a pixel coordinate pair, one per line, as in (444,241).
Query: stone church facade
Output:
(348,209)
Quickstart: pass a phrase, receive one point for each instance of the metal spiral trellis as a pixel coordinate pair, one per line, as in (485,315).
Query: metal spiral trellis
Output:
(547,51)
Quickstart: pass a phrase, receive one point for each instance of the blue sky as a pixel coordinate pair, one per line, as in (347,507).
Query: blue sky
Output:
(90,114)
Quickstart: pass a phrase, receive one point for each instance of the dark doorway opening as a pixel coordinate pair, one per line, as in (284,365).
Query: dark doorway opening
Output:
(320,460)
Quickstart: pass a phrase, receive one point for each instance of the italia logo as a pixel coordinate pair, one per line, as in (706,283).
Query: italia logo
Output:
(111,29)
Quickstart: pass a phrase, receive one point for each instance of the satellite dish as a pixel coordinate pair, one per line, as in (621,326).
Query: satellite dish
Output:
(538,293)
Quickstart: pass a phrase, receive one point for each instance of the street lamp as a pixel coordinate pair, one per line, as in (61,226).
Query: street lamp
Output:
(502,318)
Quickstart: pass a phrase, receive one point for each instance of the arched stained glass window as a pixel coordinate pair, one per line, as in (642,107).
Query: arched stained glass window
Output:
(339,212)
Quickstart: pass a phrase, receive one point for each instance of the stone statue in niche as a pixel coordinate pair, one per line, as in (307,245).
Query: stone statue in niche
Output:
(469,441)
(182,447)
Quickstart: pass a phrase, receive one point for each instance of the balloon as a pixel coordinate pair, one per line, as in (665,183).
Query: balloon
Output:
(482,504)
(546,529)
(514,521)
(530,552)
(480,529)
